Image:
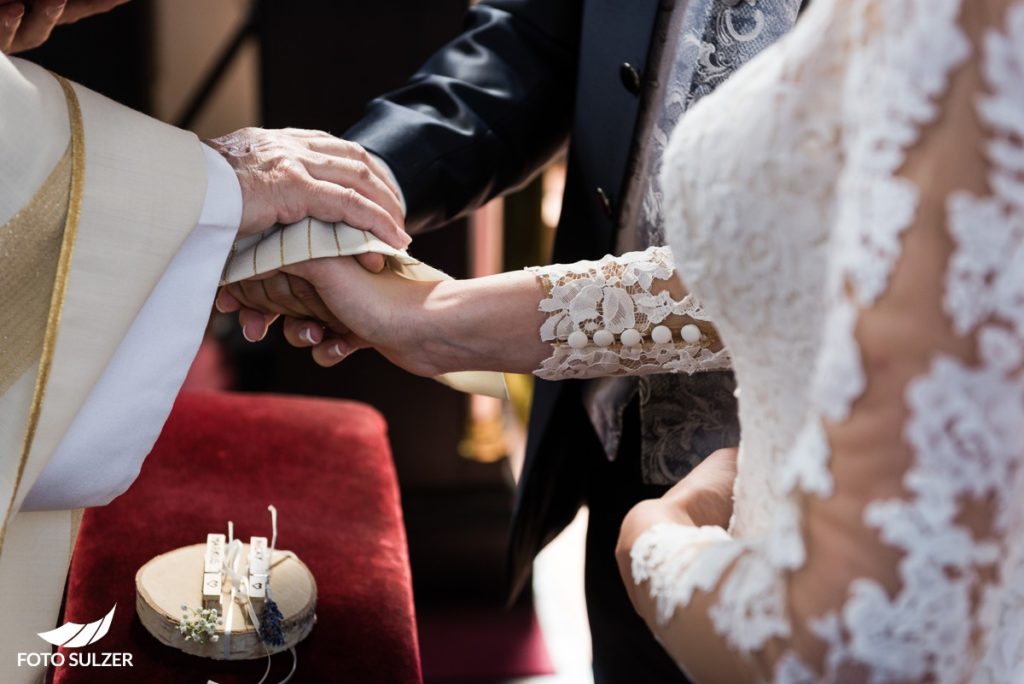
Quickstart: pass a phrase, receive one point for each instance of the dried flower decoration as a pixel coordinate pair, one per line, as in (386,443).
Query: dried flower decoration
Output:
(201,625)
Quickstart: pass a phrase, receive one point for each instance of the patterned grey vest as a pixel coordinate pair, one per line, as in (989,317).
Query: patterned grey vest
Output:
(697,45)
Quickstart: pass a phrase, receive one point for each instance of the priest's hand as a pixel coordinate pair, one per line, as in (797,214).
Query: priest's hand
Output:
(25,24)
(289,174)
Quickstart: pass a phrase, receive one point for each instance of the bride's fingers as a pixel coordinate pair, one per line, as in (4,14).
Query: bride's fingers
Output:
(334,350)
(225,302)
(302,333)
(254,324)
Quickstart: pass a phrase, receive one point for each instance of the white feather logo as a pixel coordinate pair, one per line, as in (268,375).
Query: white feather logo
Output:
(74,635)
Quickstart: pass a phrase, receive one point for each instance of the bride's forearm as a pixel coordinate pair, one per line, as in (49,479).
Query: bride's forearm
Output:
(625,315)
(487,323)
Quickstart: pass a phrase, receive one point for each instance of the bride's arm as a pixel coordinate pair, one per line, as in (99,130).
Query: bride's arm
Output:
(616,316)
(896,549)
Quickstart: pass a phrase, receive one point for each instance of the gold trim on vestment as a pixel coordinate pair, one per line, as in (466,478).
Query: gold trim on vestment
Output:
(30,242)
(59,289)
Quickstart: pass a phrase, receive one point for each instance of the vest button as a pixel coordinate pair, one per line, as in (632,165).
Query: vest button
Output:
(604,202)
(630,78)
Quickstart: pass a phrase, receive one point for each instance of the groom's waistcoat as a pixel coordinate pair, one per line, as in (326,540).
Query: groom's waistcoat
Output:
(485,114)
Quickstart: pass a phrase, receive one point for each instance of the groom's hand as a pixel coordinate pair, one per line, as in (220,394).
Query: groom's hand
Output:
(289,174)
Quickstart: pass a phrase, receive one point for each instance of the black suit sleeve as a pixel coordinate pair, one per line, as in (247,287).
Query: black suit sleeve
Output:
(485,112)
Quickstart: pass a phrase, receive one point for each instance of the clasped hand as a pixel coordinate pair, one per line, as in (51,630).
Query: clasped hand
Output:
(336,306)
(704,497)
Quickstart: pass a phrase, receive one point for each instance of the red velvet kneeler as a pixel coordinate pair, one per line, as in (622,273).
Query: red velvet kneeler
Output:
(326,466)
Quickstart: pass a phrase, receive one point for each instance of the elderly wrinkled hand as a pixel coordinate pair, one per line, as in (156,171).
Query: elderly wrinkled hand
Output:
(289,174)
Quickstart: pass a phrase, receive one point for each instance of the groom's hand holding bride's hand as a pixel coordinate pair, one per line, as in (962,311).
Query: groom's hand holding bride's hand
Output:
(380,310)
(334,306)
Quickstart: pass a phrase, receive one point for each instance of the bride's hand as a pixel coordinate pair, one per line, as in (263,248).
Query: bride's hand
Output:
(706,493)
(704,497)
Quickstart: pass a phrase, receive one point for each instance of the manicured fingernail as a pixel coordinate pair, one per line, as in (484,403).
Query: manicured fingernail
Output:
(307,336)
(260,332)
(336,351)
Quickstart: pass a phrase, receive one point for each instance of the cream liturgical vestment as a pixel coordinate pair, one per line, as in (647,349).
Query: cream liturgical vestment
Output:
(95,201)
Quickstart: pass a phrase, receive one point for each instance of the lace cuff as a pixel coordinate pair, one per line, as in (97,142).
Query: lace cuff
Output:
(616,316)
(678,560)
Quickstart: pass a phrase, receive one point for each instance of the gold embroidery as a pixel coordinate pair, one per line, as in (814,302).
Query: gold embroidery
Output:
(30,243)
(59,289)
(309,236)
(256,248)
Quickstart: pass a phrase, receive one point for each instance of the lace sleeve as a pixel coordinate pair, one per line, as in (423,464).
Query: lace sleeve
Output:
(896,551)
(617,316)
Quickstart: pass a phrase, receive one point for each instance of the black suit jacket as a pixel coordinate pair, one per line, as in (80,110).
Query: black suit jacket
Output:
(484,115)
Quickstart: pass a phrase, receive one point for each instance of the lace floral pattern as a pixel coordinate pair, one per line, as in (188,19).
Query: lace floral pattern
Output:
(679,560)
(830,218)
(610,317)
(875,204)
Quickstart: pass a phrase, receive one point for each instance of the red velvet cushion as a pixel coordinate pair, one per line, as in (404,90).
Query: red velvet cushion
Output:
(327,467)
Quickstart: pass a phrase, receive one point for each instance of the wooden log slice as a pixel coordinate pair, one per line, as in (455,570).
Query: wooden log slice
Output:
(173,579)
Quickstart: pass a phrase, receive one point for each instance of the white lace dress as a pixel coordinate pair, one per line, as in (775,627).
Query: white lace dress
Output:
(849,208)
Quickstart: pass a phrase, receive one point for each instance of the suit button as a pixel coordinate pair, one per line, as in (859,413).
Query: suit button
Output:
(630,78)
(604,202)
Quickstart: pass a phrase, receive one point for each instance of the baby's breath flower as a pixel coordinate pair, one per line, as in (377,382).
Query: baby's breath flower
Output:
(201,625)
